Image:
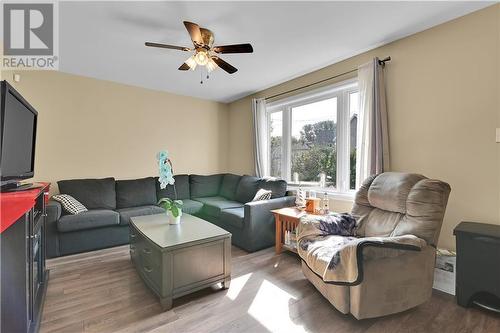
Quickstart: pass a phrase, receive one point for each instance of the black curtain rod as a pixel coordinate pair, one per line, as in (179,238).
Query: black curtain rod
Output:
(381,62)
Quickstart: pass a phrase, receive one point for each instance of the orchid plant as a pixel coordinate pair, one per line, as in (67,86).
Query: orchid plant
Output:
(167,178)
(165,169)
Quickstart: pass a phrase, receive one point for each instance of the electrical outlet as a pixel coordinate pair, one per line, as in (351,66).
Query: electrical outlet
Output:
(17,77)
(498,135)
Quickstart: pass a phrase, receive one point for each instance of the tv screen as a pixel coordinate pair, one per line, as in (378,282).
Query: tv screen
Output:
(18,126)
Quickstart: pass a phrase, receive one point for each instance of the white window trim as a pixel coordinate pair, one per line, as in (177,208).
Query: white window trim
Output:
(312,96)
(332,194)
(341,91)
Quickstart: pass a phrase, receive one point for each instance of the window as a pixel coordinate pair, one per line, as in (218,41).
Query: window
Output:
(312,138)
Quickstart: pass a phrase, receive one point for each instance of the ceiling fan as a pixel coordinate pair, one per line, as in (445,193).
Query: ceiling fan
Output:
(205,54)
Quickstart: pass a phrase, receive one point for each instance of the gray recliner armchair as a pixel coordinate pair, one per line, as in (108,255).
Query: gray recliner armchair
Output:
(387,205)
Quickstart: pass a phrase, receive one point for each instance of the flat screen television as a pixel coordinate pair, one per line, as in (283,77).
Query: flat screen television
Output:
(18,136)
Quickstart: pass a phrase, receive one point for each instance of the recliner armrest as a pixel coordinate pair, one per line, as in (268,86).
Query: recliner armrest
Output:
(382,251)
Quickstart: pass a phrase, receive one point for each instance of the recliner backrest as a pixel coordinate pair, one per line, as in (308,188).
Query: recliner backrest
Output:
(396,203)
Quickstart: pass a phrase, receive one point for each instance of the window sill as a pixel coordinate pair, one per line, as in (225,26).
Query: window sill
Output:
(332,194)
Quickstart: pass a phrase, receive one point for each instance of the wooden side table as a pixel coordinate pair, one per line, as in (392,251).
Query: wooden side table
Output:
(286,219)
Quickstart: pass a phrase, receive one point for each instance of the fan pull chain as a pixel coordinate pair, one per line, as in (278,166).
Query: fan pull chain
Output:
(201,76)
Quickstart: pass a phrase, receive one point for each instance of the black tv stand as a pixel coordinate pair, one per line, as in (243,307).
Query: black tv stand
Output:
(18,186)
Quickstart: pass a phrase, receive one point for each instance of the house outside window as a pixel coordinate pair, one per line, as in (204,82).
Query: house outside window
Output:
(312,138)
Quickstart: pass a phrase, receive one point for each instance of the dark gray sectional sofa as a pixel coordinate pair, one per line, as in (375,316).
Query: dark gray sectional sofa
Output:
(222,199)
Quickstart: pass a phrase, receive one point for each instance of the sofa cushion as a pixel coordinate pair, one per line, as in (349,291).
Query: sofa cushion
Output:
(92,193)
(212,206)
(191,206)
(88,220)
(180,192)
(204,186)
(229,186)
(135,192)
(247,187)
(127,213)
(233,216)
(276,186)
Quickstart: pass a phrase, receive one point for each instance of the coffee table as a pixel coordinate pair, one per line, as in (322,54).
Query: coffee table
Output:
(175,260)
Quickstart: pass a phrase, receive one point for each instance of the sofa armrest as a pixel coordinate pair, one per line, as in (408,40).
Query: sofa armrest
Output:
(54,211)
(268,205)
(258,212)
(259,221)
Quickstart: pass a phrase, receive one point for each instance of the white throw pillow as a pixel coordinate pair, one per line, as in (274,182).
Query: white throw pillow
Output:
(262,195)
(70,204)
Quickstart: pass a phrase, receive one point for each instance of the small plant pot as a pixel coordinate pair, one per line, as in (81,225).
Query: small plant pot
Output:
(172,219)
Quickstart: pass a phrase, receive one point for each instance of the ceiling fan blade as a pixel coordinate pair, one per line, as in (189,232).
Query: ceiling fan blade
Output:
(236,48)
(184,67)
(166,46)
(194,32)
(224,65)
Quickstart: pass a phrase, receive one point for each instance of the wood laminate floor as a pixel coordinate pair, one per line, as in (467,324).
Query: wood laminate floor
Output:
(101,292)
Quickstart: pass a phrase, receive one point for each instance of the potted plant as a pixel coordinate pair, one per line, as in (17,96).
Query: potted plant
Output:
(173,208)
(166,172)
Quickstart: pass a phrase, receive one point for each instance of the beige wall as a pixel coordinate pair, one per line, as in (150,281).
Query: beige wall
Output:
(444,105)
(95,128)
(443,100)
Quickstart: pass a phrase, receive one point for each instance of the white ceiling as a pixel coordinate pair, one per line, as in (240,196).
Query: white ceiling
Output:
(105,40)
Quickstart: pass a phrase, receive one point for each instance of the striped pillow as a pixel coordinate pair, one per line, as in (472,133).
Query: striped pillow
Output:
(262,195)
(70,204)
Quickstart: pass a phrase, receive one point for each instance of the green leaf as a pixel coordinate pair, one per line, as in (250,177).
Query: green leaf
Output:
(175,210)
(164,200)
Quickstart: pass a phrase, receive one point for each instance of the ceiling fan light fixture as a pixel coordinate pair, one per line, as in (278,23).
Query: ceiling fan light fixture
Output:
(205,53)
(201,57)
(191,62)
(211,65)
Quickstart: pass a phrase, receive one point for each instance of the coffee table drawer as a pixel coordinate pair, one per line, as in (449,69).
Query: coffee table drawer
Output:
(151,253)
(144,247)
(151,271)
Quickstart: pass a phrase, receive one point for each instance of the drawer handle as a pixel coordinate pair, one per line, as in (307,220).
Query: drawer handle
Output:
(147,269)
(146,251)
(132,236)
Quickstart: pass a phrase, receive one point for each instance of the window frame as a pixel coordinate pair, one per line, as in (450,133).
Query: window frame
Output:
(341,91)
